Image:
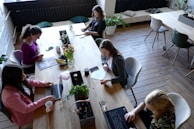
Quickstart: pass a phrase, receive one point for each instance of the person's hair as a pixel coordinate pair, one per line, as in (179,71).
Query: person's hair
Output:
(12,76)
(29,30)
(107,44)
(160,101)
(98,9)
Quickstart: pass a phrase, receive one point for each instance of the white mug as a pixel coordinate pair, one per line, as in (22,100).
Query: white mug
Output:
(48,105)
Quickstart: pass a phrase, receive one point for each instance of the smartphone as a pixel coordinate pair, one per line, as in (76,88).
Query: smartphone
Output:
(94,69)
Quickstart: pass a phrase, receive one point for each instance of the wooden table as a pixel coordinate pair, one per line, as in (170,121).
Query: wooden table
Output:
(86,55)
(170,19)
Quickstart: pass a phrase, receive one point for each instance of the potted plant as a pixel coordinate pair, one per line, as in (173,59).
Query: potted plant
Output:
(80,92)
(112,22)
(84,109)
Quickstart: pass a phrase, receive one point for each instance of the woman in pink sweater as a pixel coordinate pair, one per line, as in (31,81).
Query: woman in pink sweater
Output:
(14,97)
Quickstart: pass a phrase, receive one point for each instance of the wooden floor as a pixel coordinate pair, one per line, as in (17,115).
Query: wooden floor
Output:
(157,71)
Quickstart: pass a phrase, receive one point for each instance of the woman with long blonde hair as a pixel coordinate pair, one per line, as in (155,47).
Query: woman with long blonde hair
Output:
(160,114)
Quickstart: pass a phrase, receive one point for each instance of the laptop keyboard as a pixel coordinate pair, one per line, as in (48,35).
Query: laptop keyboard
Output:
(116,120)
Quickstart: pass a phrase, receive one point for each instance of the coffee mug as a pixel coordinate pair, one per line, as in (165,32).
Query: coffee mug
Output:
(48,105)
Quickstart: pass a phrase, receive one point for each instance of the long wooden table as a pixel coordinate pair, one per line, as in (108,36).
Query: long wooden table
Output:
(86,55)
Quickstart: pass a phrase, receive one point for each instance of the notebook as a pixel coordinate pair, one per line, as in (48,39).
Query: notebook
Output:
(55,90)
(115,119)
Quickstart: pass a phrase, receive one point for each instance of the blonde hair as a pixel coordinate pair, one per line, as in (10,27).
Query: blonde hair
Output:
(160,101)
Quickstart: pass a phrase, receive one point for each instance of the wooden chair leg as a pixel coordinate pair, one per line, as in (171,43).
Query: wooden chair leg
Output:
(155,39)
(189,73)
(168,49)
(134,97)
(177,52)
(148,35)
(188,54)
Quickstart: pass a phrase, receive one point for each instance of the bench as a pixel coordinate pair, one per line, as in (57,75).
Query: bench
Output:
(142,15)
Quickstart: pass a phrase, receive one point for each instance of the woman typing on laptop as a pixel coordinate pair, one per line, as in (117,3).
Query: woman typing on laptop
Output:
(160,113)
(16,100)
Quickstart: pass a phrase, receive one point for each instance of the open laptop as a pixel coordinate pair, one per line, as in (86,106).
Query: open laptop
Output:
(77,28)
(55,90)
(115,119)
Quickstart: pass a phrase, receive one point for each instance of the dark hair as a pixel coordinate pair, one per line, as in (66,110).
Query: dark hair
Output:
(12,76)
(98,9)
(30,30)
(107,44)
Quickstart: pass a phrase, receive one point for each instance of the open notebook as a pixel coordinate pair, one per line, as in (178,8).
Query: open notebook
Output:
(115,119)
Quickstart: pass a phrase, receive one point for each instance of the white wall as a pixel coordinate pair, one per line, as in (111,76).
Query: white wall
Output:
(108,6)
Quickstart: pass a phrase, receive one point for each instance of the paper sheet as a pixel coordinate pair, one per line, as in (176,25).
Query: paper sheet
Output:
(98,74)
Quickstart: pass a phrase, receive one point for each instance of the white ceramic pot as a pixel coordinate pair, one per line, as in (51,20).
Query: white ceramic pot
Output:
(110,30)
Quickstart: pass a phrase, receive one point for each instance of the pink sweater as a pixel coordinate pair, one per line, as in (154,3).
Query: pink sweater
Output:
(20,106)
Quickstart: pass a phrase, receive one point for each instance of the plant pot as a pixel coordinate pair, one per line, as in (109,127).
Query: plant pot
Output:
(86,115)
(110,30)
(186,20)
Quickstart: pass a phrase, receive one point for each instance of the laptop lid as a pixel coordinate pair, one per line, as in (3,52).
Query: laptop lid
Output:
(55,90)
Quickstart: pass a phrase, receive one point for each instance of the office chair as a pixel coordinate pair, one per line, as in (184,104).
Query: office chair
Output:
(156,26)
(16,57)
(6,113)
(182,109)
(133,68)
(180,41)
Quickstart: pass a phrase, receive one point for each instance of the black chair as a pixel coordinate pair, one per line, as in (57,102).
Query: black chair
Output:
(4,111)
(180,41)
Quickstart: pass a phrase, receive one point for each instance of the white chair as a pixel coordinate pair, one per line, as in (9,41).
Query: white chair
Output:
(16,57)
(133,68)
(182,109)
(156,26)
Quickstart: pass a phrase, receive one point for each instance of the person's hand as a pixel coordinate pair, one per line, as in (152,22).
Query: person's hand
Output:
(106,68)
(87,33)
(103,82)
(83,29)
(130,116)
(40,57)
(48,84)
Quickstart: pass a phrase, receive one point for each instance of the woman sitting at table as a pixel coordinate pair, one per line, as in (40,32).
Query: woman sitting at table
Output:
(160,113)
(114,62)
(98,25)
(16,100)
(30,50)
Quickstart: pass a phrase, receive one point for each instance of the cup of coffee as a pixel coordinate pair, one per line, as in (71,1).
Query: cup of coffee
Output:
(48,105)
(86,72)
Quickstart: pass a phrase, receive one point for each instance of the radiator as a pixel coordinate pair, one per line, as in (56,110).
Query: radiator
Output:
(51,14)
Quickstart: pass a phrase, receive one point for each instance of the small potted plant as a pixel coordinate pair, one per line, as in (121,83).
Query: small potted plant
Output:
(80,92)
(84,109)
(112,22)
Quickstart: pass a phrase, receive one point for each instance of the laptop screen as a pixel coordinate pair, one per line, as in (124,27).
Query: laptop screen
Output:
(55,90)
